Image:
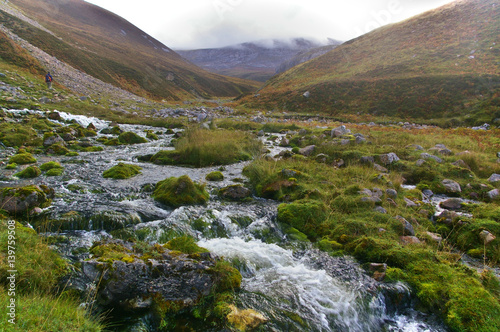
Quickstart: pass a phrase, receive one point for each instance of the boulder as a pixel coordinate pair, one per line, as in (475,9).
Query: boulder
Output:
(24,199)
(409,240)
(454,204)
(407,227)
(367,160)
(51,140)
(494,178)
(380,209)
(389,158)
(391,193)
(284,142)
(340,131)
(308,150)
(451,186)
(427,156)
(380,169)
(235,193)
(493,194)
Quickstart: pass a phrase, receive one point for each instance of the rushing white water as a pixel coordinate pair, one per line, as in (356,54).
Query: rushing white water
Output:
(276,273)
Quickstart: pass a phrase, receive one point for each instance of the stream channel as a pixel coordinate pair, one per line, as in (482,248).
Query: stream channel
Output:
(296,287)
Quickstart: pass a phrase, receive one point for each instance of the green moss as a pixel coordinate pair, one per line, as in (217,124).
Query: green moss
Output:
(110,252)
(305,215)
(215,176)
(22,159)
(151,135)
(58,149)
(122,171)
(11,166)
(18,134)
(176,192)
(185,244)
(29,173)
(227,278)
(131,138)
(50,165)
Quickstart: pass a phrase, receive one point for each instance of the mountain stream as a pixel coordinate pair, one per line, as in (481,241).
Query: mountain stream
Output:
(296,287)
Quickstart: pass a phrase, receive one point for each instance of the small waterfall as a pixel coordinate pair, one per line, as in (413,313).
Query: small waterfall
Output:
(297,296)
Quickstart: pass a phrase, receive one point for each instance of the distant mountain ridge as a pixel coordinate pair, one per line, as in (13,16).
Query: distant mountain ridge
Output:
(108,47)
(444,63)
(257,60)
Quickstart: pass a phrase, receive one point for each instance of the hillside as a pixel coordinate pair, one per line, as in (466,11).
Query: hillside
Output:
(253,60)
(440,64)
(111,49)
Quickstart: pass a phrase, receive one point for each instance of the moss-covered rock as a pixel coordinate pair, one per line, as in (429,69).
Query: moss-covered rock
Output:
(29,172)
(215,176)
(129,137)
(23,199)
(122,171)
(185,244)
(176,192)
(22,159)
(50,165)
(17,134)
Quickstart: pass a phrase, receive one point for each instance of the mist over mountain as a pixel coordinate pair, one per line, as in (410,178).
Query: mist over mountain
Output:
(258,60)
(440,64)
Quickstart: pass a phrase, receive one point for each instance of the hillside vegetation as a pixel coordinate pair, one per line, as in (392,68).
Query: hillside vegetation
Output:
(109,48)
(441,64)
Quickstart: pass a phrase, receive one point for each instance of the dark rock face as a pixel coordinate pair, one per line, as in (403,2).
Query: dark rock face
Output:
(137,285)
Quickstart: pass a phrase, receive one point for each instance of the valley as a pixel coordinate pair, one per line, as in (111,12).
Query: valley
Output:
(357,190)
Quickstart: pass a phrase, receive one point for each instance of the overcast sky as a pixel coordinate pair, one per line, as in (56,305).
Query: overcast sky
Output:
(191,24)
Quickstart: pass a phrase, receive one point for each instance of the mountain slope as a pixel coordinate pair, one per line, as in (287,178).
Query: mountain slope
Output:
(108,47)
(254,60)
(438,64)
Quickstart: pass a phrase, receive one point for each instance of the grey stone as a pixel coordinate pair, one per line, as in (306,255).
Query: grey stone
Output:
(407,227)
(451,186)
(452,204)
(307,94)
(486,236)
(427,156)
(391,193)
(284,142)
(493,194)
(420,162)
(494,178)
(340,131)
(410,203)
(461,163)
(388,159)
(427,193)
(302,132)
(360,139)
(379,168)
(345,142)
(52,140)
(308,150)
(261,133)
(380,209)
(410,240)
